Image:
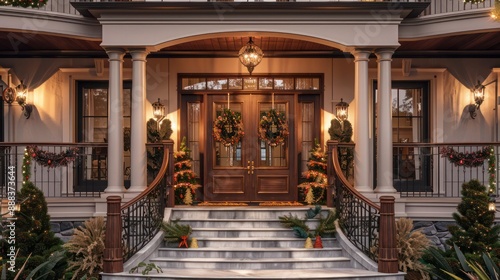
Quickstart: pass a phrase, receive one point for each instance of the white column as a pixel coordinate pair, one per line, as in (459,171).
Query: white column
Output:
(138,154)
(384,123)
(115,122)
(362,181)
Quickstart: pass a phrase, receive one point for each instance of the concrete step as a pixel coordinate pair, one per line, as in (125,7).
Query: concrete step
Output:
(254,242)
(262,274)
(260,213)
(248,253)
(243,232)
(239,223)
(252,263)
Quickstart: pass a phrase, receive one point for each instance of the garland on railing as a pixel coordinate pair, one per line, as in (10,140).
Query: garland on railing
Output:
(468,159)
(24,3)
(273,128)
(49,159)
(26,166)
(492,170)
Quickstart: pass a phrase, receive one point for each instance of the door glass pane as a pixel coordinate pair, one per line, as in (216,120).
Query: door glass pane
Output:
(227,156)
(194,110)
(269,155)
(307,133)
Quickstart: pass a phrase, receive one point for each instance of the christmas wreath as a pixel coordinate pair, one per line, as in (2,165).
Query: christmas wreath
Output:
(472,159)
(228,128)
(273,128)
(49,159)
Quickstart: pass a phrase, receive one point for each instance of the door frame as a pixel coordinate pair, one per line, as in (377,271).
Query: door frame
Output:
(196,88)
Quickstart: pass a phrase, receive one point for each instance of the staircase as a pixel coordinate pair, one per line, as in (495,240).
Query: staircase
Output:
(248,243)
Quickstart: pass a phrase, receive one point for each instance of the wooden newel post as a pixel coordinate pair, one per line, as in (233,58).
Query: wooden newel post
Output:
(330,145)
(113,253)
(387,252)
(168,146)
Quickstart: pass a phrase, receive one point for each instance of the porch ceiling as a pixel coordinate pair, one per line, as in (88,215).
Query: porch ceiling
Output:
(14,44)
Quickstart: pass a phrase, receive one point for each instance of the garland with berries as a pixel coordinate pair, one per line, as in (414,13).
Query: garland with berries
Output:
(468,159)
(49,159)
(492,170)
(228,128)
(273,128)
(24,3)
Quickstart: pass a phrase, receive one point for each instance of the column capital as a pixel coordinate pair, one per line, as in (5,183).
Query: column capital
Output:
(115,54)
(361,54)
(384,54)
(139,54)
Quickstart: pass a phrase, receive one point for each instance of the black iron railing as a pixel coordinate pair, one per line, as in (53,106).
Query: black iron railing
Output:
(77,170)
(143,215)
(358,216)
(424,170)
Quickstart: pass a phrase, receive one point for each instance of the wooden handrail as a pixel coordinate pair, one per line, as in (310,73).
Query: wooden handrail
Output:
(343,179)
(156,181)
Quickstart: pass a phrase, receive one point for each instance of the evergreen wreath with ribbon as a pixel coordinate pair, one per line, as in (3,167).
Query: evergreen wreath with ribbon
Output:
(273,128)
(49,159)
(228,128)
(468,159)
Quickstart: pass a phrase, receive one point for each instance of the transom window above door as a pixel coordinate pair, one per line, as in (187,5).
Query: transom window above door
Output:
(254,82)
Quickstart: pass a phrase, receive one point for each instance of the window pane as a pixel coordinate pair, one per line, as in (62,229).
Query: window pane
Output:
(217,84)
(265,83)
(194,111)
(194,83)
(95,102)
(236,83)
(250,83)
(307,83)
(283,83)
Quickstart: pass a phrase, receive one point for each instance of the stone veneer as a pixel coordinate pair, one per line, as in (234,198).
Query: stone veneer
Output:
(437,232)
(64,229)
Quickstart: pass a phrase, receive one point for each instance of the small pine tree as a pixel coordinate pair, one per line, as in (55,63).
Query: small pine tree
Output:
(34,235)
(315,179)
(308,244)
(184,178)
(475,231)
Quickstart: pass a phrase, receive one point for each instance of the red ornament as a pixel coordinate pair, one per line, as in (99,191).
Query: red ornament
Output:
(49,162)
(33,155)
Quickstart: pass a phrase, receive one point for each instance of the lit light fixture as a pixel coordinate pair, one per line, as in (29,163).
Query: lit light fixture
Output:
(21,95)
(250,55)
(158,111)
(478,95)
(491,204)
(342,110)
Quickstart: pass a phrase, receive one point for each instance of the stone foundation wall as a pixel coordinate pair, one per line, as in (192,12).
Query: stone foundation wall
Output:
(64,230)
(437,232)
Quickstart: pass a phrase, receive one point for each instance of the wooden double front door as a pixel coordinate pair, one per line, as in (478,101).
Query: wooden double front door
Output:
(252,170)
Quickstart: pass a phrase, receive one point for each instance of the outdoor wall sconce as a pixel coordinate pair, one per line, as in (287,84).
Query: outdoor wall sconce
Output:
(21,95)
(18,94)
(478,94)
(342,110)
(250,55)
(158,111)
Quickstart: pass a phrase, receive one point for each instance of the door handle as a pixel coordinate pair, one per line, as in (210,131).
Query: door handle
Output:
(250,167)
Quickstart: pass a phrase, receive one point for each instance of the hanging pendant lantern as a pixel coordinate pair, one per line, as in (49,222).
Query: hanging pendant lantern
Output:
(250,55)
